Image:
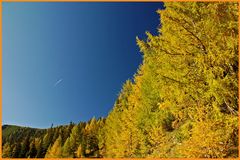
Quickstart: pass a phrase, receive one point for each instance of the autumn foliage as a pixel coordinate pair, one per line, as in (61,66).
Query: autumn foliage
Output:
(182,102)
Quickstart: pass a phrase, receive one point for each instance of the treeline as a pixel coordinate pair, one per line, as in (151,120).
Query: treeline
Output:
(183,100)
(73,140)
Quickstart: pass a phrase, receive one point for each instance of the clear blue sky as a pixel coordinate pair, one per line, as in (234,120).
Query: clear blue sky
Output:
(67,62)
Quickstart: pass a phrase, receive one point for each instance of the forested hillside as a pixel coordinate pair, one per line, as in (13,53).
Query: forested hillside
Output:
(73,140)
(182,102)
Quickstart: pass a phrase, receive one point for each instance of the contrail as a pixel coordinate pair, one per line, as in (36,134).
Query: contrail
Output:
(59,81)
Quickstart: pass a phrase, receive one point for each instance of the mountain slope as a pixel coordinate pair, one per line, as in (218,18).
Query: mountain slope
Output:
(9,129)
(73,140)
(12,133)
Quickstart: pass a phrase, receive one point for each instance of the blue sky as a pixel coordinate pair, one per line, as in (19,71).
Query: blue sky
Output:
(67,62)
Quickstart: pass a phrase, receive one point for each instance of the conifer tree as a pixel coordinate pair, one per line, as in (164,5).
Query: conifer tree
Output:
(75,139)
(16,150)
(196,72)
(101,136)
(188,80)
(115,146)
(38,146)
(32,150)
(24,147)
(90,137)
(6,152)
(46,141)
(67,150)
(79,151)
(55,151)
